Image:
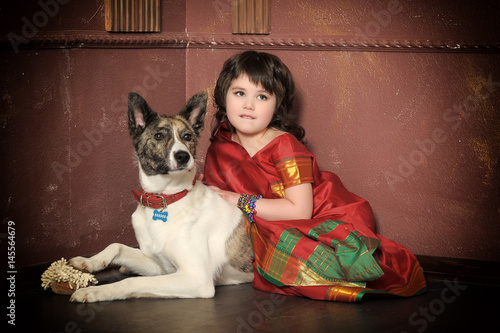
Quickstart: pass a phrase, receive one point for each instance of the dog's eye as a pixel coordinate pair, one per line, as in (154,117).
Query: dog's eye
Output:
(187,137)
(159,136)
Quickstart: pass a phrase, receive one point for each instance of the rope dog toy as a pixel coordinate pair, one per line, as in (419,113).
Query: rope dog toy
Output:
(65,279)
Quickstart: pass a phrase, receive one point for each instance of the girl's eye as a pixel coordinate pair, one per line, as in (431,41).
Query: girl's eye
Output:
(159,136)
(262,97)
(187,137)
(239,93)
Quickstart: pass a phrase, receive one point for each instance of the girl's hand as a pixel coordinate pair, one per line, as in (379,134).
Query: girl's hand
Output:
(229,196)
(297,205)
(200,177)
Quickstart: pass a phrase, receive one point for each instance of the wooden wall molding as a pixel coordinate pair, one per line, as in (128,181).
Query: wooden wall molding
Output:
(251,16)
(132,15)
(82,39)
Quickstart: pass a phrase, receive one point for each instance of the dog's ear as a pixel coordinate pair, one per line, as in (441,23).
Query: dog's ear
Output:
(194,111)
(139,113)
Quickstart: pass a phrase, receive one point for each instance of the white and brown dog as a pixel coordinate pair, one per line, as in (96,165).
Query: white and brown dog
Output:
(189,238)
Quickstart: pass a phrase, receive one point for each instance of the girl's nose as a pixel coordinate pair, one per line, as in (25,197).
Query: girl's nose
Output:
(249,104)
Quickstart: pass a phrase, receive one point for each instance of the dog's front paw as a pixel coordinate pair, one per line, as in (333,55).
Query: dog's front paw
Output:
(91,294)
(87,264)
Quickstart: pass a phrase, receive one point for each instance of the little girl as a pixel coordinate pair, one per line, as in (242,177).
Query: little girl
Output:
(311,237)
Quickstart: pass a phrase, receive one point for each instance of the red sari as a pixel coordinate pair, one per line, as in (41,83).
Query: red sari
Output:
(336,255)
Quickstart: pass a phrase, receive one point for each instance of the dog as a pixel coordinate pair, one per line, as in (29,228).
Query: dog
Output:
(194,239)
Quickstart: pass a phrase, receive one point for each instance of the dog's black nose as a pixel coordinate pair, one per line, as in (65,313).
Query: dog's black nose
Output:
(182,157)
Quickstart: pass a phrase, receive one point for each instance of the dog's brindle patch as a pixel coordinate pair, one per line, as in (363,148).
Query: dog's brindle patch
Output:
(239,250)
(153,136)
(153,148)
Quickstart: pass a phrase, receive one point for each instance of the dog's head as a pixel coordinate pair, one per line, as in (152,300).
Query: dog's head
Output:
(166,144)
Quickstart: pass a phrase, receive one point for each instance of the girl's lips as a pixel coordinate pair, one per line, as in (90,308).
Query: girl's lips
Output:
(245,116)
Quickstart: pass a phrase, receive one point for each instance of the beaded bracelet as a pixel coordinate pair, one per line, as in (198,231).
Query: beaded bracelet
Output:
(246,203)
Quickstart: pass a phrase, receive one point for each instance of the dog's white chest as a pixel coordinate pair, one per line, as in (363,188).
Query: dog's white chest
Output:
(168,234)
(157,232)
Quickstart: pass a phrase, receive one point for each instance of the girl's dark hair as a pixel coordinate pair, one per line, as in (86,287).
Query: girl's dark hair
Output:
(267,70)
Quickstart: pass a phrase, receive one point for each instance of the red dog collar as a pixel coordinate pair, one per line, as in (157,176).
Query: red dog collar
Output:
(158,200)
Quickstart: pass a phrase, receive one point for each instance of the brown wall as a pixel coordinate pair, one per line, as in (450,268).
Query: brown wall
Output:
(401,104)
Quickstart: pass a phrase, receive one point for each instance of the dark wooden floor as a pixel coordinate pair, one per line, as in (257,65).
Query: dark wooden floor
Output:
(446,307)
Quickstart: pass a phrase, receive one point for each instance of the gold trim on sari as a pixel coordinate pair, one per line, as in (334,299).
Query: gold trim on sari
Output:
(292,171)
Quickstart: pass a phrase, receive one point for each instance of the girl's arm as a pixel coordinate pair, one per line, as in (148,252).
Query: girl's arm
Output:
(297,204)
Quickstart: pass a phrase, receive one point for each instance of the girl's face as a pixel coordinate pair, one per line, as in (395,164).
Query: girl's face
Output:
(250,108)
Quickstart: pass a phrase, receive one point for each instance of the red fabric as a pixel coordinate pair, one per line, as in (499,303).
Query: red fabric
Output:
(228,166)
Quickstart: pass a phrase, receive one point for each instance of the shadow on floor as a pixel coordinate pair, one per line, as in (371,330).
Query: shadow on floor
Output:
(448,306)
